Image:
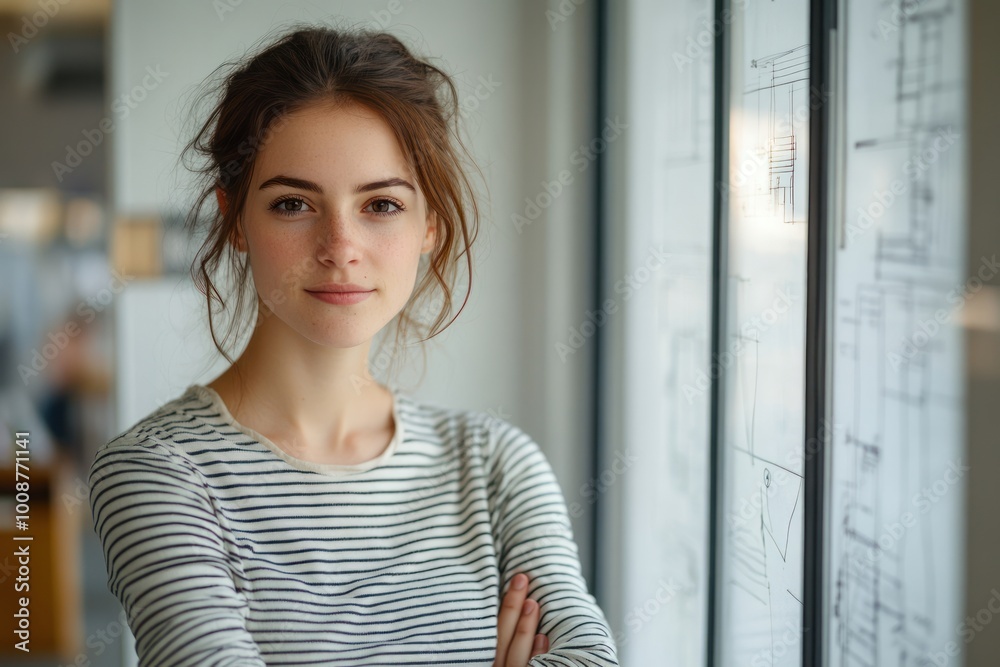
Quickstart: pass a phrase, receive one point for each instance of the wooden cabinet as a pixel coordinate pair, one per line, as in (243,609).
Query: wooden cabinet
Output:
(55,593)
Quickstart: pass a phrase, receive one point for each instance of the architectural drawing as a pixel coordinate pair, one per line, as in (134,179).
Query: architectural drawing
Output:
(896,492)
(776,94)
(761,548)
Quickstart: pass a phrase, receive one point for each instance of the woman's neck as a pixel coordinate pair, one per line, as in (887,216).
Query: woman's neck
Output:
(318,405)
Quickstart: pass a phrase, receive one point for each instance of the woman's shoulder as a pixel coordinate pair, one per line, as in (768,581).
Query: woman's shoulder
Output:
(165,424)
(434,417)
(490,427)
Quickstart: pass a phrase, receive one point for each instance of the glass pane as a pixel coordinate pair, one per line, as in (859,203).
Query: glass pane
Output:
(664,205)
(895,547)
(763,345)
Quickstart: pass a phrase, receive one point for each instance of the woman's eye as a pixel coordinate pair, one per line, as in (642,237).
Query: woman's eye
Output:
(295,202)
(290,206)
(385,207)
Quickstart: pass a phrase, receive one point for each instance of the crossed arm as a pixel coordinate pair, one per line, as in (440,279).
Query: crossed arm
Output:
(533,533)
(168,564)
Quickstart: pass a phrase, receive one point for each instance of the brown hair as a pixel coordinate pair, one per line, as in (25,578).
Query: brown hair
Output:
(309,65)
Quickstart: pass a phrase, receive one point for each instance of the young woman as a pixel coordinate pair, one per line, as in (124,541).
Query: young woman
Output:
(294,511)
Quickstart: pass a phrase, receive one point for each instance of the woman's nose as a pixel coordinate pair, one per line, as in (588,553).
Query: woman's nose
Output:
(338,240)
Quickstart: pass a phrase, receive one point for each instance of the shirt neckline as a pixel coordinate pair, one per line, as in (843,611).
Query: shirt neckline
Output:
(330,469)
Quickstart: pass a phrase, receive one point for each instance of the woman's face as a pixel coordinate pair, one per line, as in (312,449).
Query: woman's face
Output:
(331,201)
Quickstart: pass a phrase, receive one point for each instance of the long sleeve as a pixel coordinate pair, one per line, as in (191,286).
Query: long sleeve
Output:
(167,563)
(532,528)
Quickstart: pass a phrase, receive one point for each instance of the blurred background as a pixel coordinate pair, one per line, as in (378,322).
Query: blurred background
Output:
(737,276)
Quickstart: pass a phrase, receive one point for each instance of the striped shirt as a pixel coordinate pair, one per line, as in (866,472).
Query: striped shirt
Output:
(225,550)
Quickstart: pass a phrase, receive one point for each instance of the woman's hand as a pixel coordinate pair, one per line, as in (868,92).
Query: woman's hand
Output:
(516,639)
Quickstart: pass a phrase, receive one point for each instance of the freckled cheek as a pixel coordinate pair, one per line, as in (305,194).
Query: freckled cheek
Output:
(399,262)
(382,253)
(278,263)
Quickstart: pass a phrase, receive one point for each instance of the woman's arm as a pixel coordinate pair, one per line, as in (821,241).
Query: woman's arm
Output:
(166,559)
(532,529)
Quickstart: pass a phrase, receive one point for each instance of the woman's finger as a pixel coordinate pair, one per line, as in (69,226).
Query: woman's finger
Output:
(541,645)
(510,612)
(524,635)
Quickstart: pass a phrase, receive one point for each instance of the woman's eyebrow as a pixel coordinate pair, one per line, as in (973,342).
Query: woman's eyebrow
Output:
(304,184)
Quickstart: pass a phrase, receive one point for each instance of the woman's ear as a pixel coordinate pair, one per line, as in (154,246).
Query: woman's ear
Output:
(430,235)
(236,238)
(220,196)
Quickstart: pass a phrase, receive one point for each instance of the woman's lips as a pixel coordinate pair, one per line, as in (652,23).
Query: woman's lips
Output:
(341,298)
